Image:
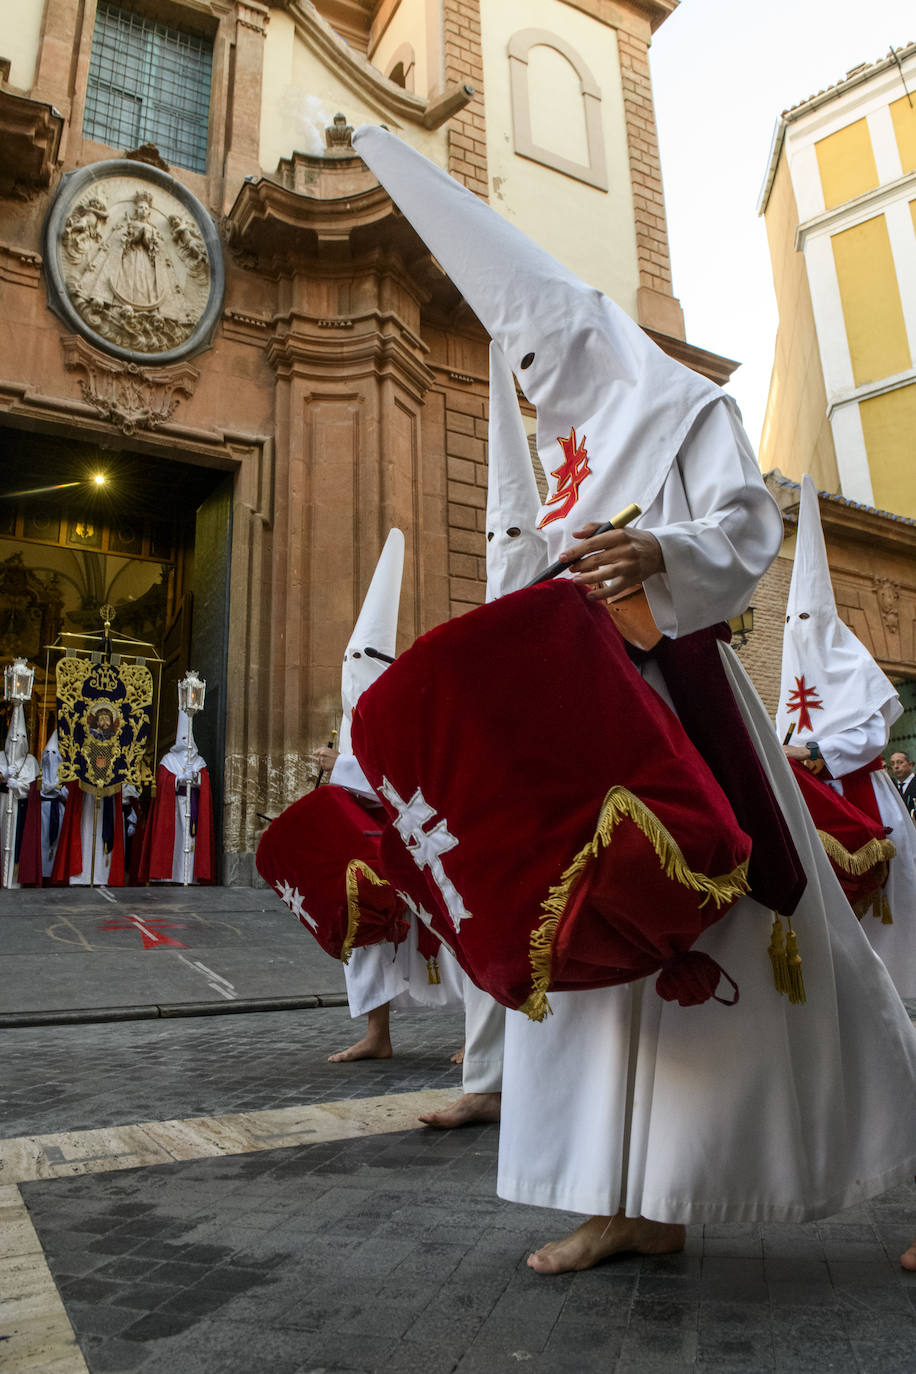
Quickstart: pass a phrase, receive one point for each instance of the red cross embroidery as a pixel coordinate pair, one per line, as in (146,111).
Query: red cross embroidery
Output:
(570,475)
(803,700)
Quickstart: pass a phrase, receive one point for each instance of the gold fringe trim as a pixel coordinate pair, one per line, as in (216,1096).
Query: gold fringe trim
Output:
(875,852)
(355,869)
(619,804)
(432,972)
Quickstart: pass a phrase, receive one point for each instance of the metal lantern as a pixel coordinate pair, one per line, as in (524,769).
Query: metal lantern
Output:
(18,678)
(741,626)
(192,690)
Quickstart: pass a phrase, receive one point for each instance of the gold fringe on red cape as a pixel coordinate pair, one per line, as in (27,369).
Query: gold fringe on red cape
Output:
(619,804)
(356,869)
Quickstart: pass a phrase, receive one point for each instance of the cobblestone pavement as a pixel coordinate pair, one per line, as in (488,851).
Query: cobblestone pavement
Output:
(390,1253)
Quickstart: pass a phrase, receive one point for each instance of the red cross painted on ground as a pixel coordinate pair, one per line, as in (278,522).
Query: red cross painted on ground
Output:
(150,931)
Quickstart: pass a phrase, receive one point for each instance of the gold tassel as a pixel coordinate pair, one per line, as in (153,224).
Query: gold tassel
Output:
(355,869)
(864,859)
(778,956)
(796,980)
(432,971)
(886,916)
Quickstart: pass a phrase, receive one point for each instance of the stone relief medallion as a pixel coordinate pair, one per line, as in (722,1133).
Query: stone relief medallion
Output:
(133,262)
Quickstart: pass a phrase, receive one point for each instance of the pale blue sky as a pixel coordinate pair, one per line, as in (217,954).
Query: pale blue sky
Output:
(722,70)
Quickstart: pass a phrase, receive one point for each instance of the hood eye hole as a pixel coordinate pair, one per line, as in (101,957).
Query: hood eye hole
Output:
(357,654)
(527,360)
(489,535)
(803,615)
(513,532)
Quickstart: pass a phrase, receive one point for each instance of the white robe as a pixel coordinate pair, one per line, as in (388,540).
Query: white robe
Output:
(52,794)
(380,974)
(896,944)
(760,1111)
(18,779)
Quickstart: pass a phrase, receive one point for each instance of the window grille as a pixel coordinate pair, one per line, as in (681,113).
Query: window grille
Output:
(149,83)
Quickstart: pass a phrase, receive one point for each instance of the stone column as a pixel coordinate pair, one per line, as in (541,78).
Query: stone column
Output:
(243,123)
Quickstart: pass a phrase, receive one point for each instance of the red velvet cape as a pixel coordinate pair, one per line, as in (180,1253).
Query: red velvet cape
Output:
(68,860)
(322,857)
(158,839)
(29,867)
(854,840)
(587,841)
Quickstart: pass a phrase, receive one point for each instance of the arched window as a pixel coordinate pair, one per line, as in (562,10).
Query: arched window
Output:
(556,107)
(401,67)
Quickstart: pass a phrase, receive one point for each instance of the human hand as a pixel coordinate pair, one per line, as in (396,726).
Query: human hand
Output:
(611,562)
(326,757)
(796,751)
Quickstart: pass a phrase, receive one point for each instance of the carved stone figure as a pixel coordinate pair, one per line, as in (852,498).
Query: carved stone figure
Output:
(133,263)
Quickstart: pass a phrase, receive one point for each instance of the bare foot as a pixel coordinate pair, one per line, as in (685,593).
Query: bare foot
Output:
(467,1111)
(370,1047)
(457,1057)
(600,1237)
(908,1258)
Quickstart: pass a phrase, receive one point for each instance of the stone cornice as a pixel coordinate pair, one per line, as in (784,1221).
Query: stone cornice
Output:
(711,365)
(847,521)
(30,133)
(367,81)
(627,14)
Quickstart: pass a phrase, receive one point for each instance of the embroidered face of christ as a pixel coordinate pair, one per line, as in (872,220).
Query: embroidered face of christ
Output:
(612,409)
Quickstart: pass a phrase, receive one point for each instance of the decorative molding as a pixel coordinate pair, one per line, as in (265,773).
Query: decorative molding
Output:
(853,212)
(887,593)
(126,395)
(19,266)
(520,45)
(30,134)
(869,389)
(249,15)
(357,71)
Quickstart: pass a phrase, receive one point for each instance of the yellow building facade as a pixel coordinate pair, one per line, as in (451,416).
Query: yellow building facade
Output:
(839,202)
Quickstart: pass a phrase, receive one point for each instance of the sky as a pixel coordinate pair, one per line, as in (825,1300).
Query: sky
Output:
(722,71)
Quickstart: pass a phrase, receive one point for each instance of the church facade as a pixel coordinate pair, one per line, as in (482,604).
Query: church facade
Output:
(228,366)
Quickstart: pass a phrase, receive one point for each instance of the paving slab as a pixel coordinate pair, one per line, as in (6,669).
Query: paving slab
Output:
(69,949)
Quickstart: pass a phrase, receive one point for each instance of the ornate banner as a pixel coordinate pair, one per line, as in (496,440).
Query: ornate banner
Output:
(103,724)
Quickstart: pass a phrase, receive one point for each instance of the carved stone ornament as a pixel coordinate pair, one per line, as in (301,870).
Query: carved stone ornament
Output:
(134,262)
(125,394)
(888,594)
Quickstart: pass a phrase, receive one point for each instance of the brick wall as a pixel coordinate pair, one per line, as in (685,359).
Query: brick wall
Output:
(466,468)
(645,166)
(467,147)
(762,655)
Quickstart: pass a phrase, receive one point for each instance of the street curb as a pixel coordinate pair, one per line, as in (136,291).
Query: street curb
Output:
(18,1020)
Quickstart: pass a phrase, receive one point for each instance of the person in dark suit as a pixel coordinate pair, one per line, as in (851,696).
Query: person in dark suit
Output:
(905,778)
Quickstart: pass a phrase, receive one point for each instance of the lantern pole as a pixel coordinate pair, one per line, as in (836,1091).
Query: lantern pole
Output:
(18,678)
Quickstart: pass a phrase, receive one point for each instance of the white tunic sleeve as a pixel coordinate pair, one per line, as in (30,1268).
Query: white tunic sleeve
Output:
(714,562)
(347,773)
(852,748)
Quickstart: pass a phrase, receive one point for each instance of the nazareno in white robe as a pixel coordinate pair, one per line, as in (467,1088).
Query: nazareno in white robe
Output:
(843,753)
(764,1111)
(380,974)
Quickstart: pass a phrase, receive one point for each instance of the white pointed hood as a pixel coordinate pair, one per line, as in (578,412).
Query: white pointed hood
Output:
(516,549)
(50,762)
(16,747)
(177,760)
(612,408)
(830,682)
(376,628)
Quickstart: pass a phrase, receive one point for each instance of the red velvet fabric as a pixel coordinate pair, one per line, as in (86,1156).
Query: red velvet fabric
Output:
(857,788)
(514,722)
(159,838)
(304,855)
(29,867)
(68,860)
(851,827)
